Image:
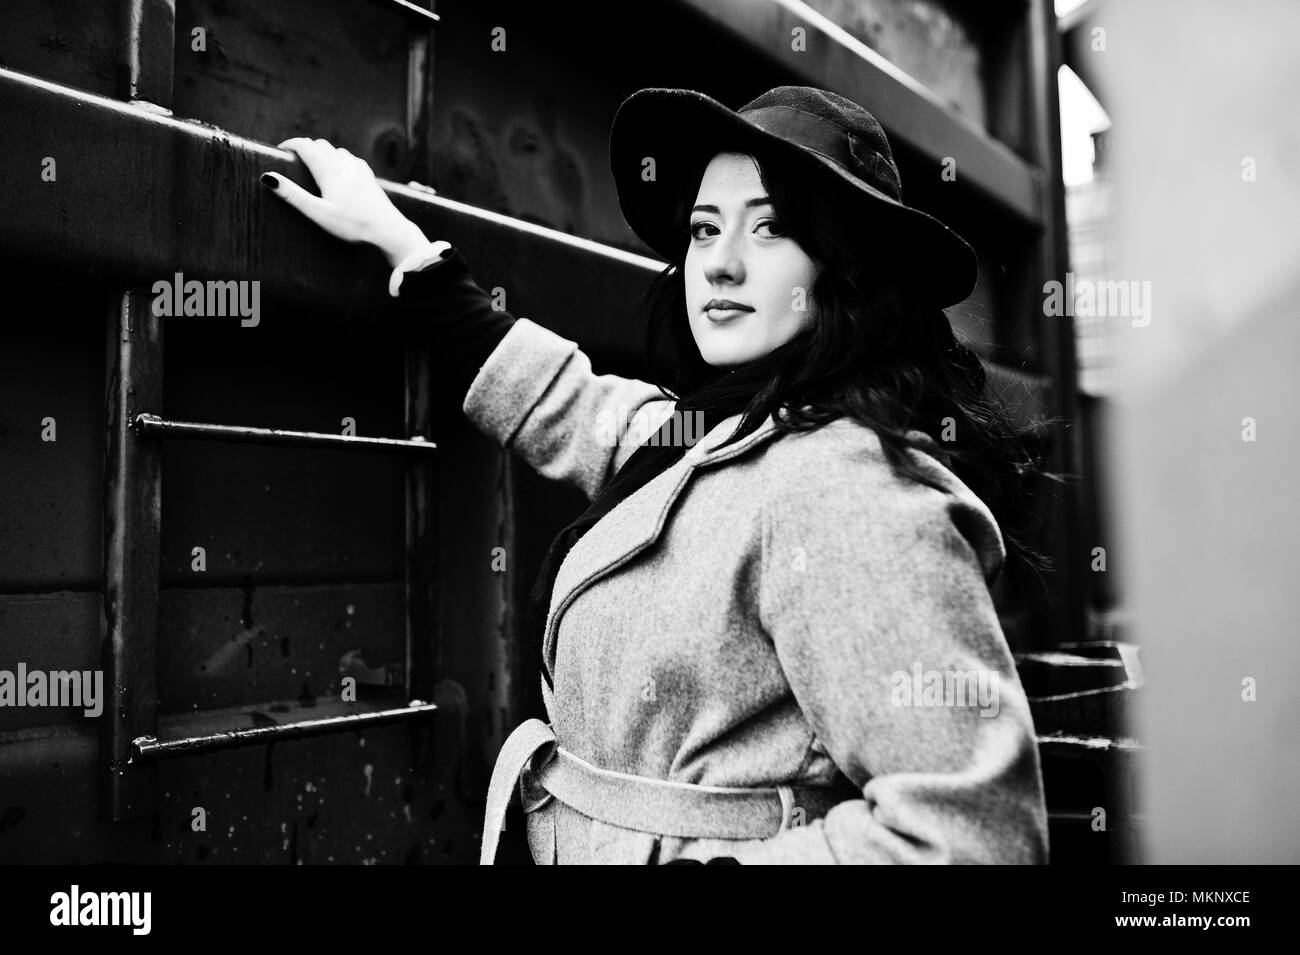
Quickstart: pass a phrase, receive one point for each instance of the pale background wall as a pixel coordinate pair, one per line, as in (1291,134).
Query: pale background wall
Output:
(1209,521)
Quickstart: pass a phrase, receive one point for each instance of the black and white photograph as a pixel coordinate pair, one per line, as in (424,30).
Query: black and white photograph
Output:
(692,432)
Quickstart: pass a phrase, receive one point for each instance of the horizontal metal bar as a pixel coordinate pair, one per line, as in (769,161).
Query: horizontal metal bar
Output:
(127,215)
(152,426)
(476,215)
(417,13)
(1059,742)
(837,60)
(148,748)
(1084,697)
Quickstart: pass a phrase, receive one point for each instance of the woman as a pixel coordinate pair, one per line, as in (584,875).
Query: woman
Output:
(776,644)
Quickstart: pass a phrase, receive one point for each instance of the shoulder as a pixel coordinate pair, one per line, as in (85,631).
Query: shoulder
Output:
(838,478)
(847,455)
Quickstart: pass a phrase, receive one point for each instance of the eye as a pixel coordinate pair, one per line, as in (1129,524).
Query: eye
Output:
(696,228)
(773,227)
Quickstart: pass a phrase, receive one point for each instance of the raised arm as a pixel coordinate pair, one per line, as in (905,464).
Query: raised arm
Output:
(527,387)
(538,395)
(530,389)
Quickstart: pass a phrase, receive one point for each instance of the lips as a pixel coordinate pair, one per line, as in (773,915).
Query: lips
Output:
(725,305)
(719,310)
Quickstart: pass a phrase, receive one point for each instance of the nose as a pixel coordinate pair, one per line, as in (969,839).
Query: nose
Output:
(726,261)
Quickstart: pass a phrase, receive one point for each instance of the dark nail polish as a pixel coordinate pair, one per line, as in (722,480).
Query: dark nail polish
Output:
(270,181)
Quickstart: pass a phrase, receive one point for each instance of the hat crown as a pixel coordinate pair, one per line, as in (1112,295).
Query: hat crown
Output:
(663,139)
(863,148)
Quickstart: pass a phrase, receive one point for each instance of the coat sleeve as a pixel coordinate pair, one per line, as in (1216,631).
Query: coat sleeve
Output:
(869,590)
(536,394)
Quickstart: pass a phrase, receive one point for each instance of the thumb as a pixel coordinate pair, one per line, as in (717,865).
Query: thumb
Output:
(313,207)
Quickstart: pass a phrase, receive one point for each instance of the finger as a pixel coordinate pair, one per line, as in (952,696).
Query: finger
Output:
(305,147)
(313,207)
(300,141)
(315,156)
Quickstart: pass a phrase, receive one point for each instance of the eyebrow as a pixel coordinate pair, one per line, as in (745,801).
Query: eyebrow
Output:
(749,204)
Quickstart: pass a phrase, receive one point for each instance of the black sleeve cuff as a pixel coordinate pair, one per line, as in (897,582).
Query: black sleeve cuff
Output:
(457,316)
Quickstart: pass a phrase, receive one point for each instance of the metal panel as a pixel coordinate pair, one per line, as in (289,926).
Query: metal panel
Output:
(51,367)
(75,42)
(58,631)
(301,68)
(249,645)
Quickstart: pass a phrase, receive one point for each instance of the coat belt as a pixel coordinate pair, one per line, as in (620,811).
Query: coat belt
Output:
(642,803)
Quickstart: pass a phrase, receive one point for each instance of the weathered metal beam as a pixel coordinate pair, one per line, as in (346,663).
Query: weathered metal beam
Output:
(173,195)
(835,59)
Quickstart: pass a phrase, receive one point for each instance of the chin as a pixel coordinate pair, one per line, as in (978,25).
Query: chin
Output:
(721,359)
(716,352)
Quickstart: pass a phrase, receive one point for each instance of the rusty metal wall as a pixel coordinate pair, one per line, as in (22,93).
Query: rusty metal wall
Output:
(304,548)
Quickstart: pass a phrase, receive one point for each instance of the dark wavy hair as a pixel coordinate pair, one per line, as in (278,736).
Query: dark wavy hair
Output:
(874,353)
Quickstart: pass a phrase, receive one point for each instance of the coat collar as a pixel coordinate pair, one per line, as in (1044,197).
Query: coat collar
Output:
(637,521)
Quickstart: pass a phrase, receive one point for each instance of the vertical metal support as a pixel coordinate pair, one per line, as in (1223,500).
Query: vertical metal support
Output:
(421,584)
(133,468)
(146,59)
(419,106)
(1068,621)
(132,524)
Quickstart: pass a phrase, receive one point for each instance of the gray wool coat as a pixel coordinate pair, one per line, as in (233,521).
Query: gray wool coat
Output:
(785,610)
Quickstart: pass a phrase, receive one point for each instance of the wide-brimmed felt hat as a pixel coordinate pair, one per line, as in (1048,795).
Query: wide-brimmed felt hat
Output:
(840,144)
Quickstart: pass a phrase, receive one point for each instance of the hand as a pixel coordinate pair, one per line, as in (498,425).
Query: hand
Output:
(351,205)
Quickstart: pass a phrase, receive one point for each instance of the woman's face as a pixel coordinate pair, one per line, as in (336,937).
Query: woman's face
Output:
(740,259)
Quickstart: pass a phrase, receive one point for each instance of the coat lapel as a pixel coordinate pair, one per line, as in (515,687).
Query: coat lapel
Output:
(636,523)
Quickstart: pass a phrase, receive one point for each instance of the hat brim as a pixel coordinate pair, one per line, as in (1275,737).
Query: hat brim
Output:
(681,130)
